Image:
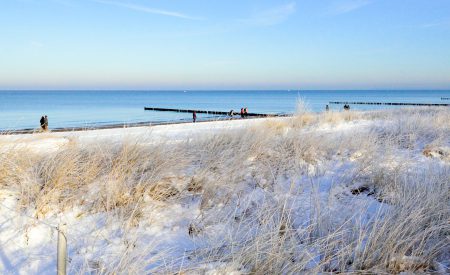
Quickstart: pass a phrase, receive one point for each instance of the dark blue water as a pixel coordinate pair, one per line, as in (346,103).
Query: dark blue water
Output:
(23,109)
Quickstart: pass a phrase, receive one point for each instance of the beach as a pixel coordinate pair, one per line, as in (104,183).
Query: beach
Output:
(309,192)
(42,141)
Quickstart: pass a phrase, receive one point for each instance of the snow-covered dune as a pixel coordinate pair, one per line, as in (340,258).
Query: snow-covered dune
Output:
(330,192)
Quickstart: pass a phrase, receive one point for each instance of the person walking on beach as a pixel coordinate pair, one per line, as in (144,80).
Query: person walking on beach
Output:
(242,112)
(194,116)
(230,114)
(245,112)
(42,122)
(45,123)
(327,108)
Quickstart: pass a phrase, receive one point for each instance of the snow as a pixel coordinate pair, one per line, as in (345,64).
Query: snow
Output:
(28,246)
(51,142)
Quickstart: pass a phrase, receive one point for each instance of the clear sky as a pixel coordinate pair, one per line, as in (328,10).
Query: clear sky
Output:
(224,44)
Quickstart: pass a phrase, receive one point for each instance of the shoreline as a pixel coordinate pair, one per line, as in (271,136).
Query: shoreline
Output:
(51,141)
(118,126)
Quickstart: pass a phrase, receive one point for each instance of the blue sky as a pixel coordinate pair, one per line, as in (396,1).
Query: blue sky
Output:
(229,44)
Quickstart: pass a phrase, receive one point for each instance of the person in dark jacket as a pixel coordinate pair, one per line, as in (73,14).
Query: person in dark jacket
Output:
(245,112)
(194,116)
(46,122)
(42,122)
(242,112)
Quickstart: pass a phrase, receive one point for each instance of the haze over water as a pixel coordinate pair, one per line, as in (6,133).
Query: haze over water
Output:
(23,109)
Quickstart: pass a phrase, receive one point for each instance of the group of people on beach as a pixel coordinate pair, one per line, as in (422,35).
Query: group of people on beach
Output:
(44,122)
(244,112)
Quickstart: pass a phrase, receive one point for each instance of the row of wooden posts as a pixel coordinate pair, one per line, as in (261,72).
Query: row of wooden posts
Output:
(204,112)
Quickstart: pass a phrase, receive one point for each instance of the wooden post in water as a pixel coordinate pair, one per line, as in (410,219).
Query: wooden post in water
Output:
(62,251)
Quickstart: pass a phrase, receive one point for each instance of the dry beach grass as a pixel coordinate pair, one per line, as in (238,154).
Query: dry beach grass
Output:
(348,192)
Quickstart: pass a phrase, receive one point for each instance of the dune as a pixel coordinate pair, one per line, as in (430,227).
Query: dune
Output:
(313,193)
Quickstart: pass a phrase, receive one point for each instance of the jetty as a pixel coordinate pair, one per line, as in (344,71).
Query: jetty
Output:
(388,103)
(207,112)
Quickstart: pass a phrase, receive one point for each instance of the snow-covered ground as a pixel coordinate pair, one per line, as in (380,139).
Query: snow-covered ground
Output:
(282,195)
(51,142)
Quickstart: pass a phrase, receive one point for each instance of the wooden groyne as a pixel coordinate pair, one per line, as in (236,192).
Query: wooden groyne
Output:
(387,103)
(205,112)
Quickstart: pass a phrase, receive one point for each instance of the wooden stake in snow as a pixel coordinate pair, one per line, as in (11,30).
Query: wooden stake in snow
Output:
(62,251)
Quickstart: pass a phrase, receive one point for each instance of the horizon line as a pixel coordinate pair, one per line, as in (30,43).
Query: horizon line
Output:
(219,90)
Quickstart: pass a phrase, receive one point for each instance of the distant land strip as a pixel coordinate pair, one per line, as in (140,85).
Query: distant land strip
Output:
(388,103)
(445,98)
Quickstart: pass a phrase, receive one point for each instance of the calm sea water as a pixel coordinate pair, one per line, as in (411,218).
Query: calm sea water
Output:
(23,109)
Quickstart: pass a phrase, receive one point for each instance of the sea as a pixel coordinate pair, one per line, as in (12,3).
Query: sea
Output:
(65,109)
